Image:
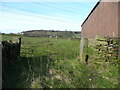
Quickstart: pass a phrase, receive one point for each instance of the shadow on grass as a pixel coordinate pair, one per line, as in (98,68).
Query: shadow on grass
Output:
(22,72)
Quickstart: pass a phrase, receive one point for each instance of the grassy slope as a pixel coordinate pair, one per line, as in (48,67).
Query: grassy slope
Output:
(55,63)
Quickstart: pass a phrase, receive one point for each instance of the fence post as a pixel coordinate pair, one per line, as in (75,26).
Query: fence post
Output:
(83,48)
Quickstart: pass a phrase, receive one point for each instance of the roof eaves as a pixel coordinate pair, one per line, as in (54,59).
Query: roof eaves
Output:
(91,11)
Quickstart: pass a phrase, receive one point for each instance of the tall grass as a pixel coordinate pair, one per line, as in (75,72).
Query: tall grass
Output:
(55,63)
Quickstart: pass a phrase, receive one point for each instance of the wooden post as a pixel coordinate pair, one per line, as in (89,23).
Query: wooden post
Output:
(83,49)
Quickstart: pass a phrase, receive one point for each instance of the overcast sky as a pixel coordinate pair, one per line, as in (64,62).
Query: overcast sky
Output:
(22,16)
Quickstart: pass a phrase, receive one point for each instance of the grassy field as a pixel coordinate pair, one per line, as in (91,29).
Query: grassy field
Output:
(55,63)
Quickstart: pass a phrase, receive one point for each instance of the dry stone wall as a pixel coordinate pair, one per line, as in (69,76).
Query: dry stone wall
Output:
(106,48)
(10,51)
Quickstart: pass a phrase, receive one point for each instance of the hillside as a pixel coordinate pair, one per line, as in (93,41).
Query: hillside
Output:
(52,33)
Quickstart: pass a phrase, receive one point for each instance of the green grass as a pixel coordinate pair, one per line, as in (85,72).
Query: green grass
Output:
(8,37)
(55,63)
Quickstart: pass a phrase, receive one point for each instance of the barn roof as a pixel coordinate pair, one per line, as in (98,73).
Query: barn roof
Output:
(92,11)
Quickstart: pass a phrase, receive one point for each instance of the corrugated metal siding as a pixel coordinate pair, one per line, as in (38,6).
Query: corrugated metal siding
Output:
(103,21)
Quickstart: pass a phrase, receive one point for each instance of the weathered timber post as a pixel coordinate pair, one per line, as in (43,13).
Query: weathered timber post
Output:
(83,49)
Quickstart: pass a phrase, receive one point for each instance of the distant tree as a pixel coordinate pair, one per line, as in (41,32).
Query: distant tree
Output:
(3,33)
(11,33)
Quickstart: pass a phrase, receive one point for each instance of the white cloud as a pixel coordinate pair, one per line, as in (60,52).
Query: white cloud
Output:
(20,21)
